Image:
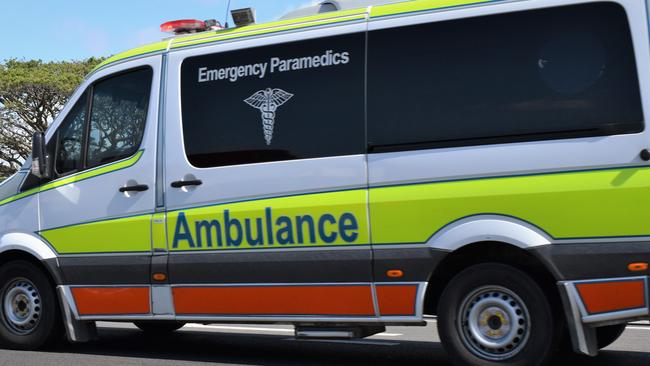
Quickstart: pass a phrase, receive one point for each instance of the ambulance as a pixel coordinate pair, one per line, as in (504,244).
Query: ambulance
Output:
(484,162)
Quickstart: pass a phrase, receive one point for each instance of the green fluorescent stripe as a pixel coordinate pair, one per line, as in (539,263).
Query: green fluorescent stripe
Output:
(565,205)
(150,48)
(122,164)
(125,235)
(592,204)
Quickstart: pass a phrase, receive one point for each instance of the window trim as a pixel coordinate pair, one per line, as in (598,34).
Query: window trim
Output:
(89,93)
(58,143)
(507,139)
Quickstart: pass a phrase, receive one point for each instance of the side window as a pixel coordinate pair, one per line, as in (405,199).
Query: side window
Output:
(554,73)
(114,128)
(288,101)
(69,139)
(118,116)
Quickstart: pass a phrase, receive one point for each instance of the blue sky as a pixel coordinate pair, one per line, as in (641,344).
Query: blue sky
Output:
(53,30)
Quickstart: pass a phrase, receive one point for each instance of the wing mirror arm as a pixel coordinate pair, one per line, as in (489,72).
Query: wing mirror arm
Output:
(40,159)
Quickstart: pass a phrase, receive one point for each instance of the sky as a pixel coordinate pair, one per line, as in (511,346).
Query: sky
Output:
(61,30)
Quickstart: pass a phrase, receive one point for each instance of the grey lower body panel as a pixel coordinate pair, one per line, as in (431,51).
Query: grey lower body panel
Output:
(290,266)
(105,269)
(582,261)
(417,264)
(52,266)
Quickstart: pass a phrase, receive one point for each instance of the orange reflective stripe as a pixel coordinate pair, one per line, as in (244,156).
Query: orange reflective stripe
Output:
(275,300)
(396,299)
(111,300)
(603,297)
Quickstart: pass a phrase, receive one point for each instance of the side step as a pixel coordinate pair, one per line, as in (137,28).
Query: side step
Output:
(307,332)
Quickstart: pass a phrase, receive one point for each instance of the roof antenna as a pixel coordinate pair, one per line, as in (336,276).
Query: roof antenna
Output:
(227,13)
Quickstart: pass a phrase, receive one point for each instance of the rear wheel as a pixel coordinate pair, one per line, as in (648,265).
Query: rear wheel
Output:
(494,314)
(609,334)
(159,326)
(30,311)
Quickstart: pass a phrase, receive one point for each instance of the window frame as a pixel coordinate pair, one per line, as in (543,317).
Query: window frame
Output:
(296,36)
(89,93)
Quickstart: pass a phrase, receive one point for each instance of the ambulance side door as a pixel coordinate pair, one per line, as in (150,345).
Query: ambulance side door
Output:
(265,177)
(96,211)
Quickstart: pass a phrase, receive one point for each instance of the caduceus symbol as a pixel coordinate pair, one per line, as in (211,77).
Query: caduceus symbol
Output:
(268,101)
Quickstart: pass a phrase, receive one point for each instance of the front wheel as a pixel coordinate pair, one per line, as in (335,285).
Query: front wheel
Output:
(494,314)
(30,311)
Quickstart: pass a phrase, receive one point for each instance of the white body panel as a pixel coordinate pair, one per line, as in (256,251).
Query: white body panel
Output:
(19,216)
(98,198)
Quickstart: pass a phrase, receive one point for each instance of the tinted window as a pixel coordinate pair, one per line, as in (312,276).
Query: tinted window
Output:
(69,139)
(544,74)
(119,113)
(282,102)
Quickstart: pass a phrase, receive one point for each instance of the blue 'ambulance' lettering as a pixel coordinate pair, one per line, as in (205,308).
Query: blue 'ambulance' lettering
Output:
(231,232)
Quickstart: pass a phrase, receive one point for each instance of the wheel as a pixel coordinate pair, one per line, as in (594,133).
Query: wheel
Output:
(494,314)
(159,326)
(609,334)
(30,315)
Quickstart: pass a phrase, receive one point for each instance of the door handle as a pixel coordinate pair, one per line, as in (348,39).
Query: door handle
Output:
(186,183)
(645,155)
(135,188)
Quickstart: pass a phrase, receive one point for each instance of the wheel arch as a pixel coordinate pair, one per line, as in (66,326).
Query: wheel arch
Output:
(28,247)
(490,252)
(489,228)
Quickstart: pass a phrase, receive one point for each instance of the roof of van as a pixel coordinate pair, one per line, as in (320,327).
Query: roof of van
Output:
(324,6)
(334,17)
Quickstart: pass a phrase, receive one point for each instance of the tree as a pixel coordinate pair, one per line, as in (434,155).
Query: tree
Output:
(32,93)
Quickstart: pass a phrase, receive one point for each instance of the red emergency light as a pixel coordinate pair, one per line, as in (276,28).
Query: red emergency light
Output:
(184,26)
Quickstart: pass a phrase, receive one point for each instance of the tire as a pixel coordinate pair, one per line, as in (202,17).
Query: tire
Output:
(609,334)
(494,314)
(29,308)
(159,327)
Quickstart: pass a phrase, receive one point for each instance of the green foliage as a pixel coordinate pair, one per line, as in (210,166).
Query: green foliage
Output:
(32,94)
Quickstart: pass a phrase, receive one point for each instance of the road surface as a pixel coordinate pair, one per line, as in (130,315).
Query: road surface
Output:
(122,344)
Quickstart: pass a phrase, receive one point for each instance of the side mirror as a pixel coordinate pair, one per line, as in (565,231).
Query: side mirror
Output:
(40,166)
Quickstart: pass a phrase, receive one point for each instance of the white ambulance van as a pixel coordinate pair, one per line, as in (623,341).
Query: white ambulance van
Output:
(486,162)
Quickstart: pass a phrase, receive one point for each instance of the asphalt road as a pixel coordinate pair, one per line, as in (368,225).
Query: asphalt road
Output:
(122,344)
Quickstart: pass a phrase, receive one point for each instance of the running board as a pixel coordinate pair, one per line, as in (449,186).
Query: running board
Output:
(337,332)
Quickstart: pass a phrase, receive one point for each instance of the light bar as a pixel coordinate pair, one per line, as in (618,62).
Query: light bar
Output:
(183,26)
